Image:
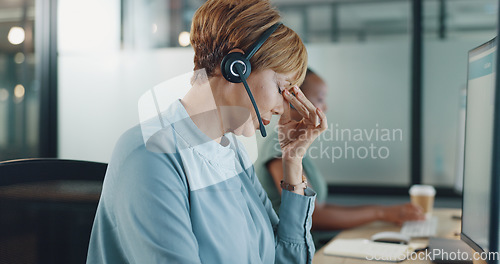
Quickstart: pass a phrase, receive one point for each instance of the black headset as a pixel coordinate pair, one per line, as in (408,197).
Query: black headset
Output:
(236,68)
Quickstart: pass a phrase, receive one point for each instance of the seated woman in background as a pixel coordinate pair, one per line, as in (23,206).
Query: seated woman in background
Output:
(269,169)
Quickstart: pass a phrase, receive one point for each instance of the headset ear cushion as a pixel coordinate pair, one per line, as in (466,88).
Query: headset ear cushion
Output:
(227,66)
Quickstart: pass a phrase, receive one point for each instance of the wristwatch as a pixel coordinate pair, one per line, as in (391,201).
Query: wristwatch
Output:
(291,188)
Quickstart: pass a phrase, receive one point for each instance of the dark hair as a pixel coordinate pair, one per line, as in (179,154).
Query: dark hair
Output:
(308,73)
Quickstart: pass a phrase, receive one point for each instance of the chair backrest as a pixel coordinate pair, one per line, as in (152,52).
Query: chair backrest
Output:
(48,169)
(48,230)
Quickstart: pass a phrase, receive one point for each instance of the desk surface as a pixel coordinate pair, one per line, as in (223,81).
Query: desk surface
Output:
(447,228)
(55,191)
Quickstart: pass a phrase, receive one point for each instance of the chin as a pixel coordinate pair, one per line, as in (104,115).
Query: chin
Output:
(249,133)
(247,130)
(245,133)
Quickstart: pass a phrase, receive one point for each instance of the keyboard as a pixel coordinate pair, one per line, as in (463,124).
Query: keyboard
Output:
(426,228)
(368,250)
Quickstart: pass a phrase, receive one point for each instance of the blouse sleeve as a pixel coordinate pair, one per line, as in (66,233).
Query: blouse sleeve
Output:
(294,242)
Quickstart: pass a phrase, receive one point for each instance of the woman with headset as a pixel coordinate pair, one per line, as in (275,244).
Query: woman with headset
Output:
(190,194)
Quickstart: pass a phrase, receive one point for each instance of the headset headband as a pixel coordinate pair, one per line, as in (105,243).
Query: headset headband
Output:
(262,39)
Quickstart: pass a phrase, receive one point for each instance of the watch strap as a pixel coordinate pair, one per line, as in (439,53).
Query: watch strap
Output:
(291,188)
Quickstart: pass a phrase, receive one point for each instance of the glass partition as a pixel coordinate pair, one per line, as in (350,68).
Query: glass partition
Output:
(451,29)
(19,91)
(362,51)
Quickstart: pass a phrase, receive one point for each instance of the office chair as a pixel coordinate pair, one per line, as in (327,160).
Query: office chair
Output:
(46,214)
(46,169)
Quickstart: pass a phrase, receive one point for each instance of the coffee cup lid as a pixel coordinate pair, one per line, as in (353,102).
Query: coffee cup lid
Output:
(419,189)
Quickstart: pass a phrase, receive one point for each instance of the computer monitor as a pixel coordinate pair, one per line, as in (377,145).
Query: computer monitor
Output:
(480,212)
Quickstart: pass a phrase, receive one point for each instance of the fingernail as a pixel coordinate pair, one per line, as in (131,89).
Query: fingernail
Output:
(319,109)
(287,92)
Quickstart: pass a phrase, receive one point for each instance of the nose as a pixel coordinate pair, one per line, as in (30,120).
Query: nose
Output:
(280,108)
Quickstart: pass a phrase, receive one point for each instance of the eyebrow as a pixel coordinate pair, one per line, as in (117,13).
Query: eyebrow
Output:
(290,84)
(288,81)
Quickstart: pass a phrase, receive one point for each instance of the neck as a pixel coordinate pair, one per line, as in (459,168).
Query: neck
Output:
(203,108)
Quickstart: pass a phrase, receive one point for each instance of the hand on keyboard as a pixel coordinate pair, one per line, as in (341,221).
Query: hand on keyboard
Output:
(425,228)
(399,214)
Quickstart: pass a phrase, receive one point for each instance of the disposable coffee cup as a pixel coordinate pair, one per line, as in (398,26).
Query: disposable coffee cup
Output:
(423,196)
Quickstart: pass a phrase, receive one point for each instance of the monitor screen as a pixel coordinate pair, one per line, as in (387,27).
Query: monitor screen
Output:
(479,146)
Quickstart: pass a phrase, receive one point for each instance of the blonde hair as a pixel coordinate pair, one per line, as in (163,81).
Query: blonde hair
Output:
(222,25)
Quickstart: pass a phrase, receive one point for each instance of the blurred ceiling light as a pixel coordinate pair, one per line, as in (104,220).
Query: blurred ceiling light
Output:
(155,28)
(16,35)
(19,58)
(4,94)
(184,39)
(19,91)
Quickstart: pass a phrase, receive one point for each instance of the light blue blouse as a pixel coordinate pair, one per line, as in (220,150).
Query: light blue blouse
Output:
(183,198)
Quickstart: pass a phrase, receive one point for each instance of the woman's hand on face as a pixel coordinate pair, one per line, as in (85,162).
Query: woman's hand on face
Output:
(296,136)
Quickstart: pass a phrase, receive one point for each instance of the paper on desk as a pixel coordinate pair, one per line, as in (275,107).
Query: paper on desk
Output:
(366,249)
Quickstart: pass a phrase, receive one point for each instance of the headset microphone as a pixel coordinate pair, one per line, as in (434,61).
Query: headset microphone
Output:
(236,68)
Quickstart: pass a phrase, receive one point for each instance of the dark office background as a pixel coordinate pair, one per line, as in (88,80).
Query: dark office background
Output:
(29,71)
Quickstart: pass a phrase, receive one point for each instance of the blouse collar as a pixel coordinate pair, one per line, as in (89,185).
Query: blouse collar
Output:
(188,135)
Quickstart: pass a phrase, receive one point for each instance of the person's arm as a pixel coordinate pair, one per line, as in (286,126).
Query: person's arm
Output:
(332,217)
(294,242)
(327,216)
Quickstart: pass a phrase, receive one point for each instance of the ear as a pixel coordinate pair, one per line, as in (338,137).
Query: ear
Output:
(227,66)
(217,71)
